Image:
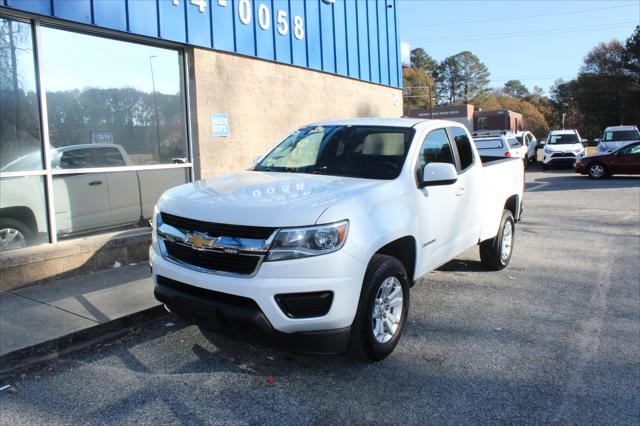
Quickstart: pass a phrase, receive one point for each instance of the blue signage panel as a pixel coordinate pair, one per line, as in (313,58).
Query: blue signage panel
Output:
(220,124)
(355,38)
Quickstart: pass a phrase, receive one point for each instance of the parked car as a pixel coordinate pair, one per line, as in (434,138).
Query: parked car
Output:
(84,201)
(317,246)
(562,147)
(616,137)
(624,161)
(529,140)
(501,144)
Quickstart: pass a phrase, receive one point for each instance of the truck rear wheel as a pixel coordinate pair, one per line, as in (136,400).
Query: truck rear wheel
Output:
(382,310)
(496,253)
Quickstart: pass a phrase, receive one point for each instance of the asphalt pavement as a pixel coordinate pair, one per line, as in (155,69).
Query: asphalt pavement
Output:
(554,338)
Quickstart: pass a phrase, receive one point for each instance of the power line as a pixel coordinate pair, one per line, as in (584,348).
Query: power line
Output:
(506,18)
(551,31)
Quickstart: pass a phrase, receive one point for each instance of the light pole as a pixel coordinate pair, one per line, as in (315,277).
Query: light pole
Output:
(430,103)
(155,103)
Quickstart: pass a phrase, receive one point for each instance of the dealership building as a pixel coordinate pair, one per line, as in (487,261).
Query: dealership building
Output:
(104,104)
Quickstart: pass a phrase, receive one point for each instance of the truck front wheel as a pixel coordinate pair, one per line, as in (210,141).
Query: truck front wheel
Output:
(382,310)
(496,253)
(13,234)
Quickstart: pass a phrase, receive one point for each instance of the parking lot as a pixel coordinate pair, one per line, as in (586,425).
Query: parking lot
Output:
(554,338)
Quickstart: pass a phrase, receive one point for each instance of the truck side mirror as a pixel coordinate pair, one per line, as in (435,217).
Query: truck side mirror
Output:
(437,174)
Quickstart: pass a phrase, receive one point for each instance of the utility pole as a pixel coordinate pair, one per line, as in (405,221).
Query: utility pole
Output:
(430,103)
(155,102)
(563,114)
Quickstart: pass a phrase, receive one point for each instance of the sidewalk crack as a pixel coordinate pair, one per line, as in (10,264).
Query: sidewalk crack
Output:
(54,306)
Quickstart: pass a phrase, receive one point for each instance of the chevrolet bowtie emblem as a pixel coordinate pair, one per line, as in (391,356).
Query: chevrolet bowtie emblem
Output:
(200,241)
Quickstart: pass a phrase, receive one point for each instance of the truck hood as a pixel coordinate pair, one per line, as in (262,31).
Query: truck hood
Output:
(563,147)
(262,198)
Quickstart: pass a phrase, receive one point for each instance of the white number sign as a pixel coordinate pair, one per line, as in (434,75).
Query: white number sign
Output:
(264,16)
(283,24)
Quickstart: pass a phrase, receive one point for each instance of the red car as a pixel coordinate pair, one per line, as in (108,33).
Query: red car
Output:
(623,161)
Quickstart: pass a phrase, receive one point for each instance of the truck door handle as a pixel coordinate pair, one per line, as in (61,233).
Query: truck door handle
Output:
(459,191)
(95,182)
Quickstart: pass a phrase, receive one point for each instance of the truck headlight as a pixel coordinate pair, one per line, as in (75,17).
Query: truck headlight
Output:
(294,243)
(546,150)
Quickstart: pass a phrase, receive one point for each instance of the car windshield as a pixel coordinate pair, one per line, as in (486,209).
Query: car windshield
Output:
(371,152)
(621,135)
(565,139)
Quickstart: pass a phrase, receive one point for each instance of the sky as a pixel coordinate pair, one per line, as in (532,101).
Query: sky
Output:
(536,42)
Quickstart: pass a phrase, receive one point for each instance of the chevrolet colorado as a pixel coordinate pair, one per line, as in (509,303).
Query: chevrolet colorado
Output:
(318,245)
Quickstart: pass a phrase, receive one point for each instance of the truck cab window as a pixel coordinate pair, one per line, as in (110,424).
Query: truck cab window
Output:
(108,157)
(463,145)
(76,159)
(435,149)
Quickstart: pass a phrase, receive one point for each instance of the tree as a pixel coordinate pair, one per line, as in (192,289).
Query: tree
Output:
(421,60)
(516,89)
(474,76)
(418,87)
(449,77)
(462,77)
(631,54)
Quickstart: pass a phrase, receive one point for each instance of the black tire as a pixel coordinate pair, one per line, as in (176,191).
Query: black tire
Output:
(545,166)
(533,159)
(597,170)
(363,345)
(491,250)
(526,162)
(9,223)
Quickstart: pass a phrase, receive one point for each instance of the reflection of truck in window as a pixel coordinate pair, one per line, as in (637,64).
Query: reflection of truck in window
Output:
(83,202)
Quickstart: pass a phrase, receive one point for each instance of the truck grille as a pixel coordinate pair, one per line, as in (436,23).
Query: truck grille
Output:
(562,155)
(218,229)
(213,260)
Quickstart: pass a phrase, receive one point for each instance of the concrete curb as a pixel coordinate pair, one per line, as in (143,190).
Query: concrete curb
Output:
(77,340)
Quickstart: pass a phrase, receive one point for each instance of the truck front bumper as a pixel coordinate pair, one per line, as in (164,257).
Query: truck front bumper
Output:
(219,302)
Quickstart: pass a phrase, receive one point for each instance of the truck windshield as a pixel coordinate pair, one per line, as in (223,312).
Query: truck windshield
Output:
(371,152)
(567,139)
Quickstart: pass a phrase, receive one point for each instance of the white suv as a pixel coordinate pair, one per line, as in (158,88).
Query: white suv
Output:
(562,147)
(500,144)
(616,137)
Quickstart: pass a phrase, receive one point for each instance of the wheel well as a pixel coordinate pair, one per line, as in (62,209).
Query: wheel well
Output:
(512,205)
(403,249)
(22,214)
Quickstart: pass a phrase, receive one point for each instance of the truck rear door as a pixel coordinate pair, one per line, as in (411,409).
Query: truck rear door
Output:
(467,213)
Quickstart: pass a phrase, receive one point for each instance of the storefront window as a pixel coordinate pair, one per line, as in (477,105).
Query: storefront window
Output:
(102,91)
(23,213)
(20,147)
(110,104)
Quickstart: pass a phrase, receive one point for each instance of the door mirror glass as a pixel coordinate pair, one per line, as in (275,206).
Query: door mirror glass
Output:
(435,174)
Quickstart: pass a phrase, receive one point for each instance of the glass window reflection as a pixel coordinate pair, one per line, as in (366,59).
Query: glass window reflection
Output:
(20,147)
(23,212)
(104,91)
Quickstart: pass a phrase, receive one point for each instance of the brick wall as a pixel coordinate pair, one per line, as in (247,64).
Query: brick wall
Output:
(265,101)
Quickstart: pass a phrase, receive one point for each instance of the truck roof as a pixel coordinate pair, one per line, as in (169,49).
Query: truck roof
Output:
(392,122)
(563,132)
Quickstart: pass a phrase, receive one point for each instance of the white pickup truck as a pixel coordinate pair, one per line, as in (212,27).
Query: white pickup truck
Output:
(83,202)
(316,247)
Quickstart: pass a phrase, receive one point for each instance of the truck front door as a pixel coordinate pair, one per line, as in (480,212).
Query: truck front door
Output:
(435,204)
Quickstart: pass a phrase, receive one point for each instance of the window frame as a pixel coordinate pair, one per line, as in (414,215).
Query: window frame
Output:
(47,172)
(457,154)
(417,170)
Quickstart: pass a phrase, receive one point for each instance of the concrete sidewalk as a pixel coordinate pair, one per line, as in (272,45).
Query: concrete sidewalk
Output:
(42,320)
